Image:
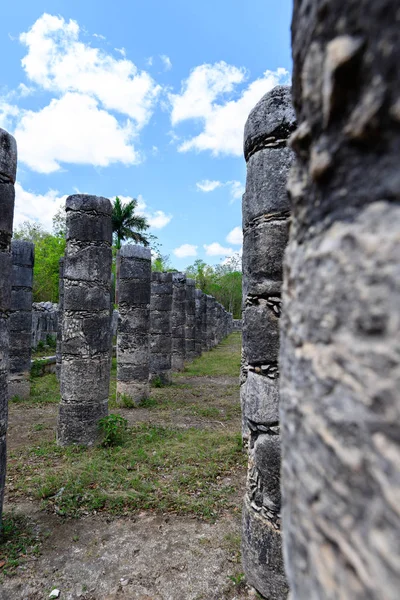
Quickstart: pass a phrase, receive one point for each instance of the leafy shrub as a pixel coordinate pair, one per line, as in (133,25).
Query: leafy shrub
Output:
(114,430)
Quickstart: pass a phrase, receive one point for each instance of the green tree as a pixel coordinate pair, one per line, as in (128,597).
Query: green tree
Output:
(127,225)
(48,251)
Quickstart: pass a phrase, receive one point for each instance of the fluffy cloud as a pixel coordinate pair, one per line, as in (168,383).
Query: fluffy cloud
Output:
(57,61)
(208,186)
(73,129)
(157,219)
(236,187)
(166,62)
(36,207)
(215,249)
(185,250)
(235,236)
(203,97)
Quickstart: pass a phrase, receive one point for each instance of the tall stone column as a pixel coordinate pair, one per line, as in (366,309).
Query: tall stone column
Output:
(199,305)
(85,366)
(190,326)
(340,356)
(60,316)
(160,327)
(266,213)
(8,171)
(133,351)
(20,321)
(178,321)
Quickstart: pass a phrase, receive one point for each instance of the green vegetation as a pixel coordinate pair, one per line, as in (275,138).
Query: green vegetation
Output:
(18,541)
(114,430)
(126,225)
(158,468)
(228,362)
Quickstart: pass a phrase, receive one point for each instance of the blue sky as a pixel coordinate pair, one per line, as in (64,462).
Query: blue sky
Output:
(140,99)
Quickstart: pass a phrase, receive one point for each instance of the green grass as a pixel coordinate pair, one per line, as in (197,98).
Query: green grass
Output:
(44,390)
(18,540)
(224,360)
(158,468)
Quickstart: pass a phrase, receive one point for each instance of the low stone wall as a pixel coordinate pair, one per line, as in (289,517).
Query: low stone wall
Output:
(237,325)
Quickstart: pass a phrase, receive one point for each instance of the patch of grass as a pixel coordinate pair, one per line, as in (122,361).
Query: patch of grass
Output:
(222,360)
(114,430)
(44,390)
(158,468)
(18,541)
(148,403)
(39,427)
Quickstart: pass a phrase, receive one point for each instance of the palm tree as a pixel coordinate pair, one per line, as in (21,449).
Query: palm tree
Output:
(127,225)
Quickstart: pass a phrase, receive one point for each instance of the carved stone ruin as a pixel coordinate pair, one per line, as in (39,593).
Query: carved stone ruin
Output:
(210,322)
(20,321)
(160,327)
(199,318)
(85,367)
(266,213)
(60,312)
(8,171)
(178,321)
(133,352)
(340,358)
(44,322)
(190,326)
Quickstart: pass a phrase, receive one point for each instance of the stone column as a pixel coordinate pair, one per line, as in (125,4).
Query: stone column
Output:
(199,304)
(160,327)
(204,331)
(20,321)
(340,356)
(8,171)
(133,352)
(266,213)
(190,327)
(178,321)
(209,321)
(60,316)
(85,366)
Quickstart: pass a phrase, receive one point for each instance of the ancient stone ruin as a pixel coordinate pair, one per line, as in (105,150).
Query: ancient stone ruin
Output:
(266,213)
(20,321)
(160,327)
(133,351)
(8,171)
(190,323)
(178,321)
(339,358)
(85,367)
(60,317)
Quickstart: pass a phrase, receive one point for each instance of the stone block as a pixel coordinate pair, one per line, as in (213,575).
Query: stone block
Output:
(261,400)
(7,199)
(88,264)
(260,333)
(8,157)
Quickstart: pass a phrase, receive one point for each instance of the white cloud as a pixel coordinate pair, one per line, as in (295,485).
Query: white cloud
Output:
(215,249)
(73,129)
(208,186)
(235,236)
(203,97)
(185,250)
(121,51)
(157,219)
(236,187)
(57,61)
(166,61)
(36,207)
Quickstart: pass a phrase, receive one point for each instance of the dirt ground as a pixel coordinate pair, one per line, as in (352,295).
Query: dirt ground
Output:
(144,556)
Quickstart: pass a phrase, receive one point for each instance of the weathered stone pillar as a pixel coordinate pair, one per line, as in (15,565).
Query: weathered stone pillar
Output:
(8,171)
(204,331)
(340,355)
(210,314)
(133,351)
(20,321)
(160,327)
(265,231)
(60,316)
(178,321)
(190,326)
(85,366)
(200,306)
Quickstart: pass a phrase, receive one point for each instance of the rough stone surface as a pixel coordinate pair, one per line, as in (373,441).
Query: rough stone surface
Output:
(8,168)
(85,367)
(178,321)
(340,359)
(266,213)
(59,317)
(133,351)
(20,320)
(45,321)
(160,327)
(190,325)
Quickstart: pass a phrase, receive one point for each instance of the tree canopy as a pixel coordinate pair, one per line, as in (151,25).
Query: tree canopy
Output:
(126,225)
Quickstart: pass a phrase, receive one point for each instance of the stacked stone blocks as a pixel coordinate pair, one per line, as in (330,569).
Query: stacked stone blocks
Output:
(160,327)
(85,367)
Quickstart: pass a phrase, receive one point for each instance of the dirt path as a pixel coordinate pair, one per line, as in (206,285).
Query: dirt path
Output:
(143,555)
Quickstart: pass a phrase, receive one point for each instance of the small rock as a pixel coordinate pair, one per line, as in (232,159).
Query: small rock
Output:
(55,594)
